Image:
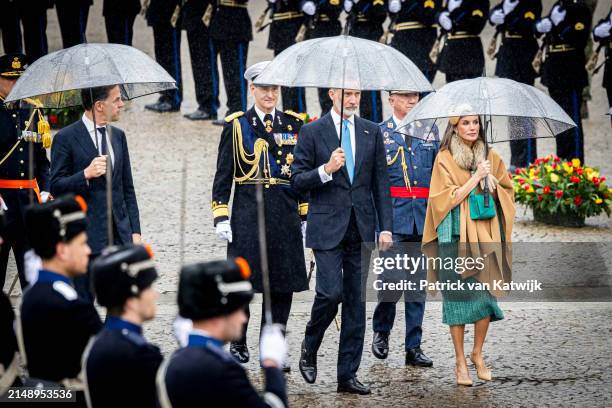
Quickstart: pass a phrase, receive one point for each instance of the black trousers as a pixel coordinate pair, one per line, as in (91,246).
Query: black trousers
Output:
(72,21)
(167,41)
(293,98)
(13,238)
(233,62)
(570,144)
(370,107)
(281,306)
(10,27)
(204,67)
(523,151)
(339,280)
(120,29)
(35,34)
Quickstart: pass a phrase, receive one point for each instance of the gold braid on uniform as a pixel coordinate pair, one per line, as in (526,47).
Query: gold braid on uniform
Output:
(242,156)
(404,166)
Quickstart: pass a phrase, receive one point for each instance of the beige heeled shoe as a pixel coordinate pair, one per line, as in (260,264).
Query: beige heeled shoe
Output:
(463,379)
(484,373)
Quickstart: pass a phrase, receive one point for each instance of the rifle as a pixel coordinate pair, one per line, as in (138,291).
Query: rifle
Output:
(259,24)
(592,62)
(308,25)
(389,32)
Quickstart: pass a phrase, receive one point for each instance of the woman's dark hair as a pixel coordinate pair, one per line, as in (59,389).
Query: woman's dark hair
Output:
(450,129)
(90,96)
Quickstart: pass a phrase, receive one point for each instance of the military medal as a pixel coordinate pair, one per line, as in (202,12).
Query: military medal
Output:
(268,126)
(286,170)
(289,128)
(285,139)
(289,158)
(254,122)
(390,125)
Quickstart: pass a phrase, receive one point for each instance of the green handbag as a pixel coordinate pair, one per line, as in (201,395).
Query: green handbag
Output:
(478,211)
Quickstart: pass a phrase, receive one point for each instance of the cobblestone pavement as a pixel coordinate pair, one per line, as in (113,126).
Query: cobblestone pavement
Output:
(542,354)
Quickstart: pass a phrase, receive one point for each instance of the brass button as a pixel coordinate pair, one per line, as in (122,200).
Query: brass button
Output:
(21,149)
(410,148)
(21,161)
(415,182)
(14,115)
(414,167)
(267,186)
(278,162)
(280,152)
(22,174)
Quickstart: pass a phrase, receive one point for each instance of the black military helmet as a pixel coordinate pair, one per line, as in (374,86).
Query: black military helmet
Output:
(12,65)
(55,221)
(121,272)
(212,289)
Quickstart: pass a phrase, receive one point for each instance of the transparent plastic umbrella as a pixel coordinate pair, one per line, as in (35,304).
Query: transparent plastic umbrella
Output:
(344,62)
(56,80)
(512,110)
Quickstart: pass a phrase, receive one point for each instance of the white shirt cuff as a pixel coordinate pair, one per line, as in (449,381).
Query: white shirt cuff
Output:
(386,232)
(323,175)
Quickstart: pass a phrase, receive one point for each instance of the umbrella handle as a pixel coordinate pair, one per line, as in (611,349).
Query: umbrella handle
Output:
(486,190)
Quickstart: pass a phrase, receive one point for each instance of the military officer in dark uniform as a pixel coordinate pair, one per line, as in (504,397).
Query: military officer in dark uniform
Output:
(256,147)
(231,31)
(287,19)
(72,18)
(33,15)
(602,33)
(409,161)
(57,323)
(322,20)
(10,27)
(365,19)
(16,187)
(214,296)
(462,56)
(120,364)
(163,16)
(414,31)
(195,17)
(567,30)
(119,17)
(515,21)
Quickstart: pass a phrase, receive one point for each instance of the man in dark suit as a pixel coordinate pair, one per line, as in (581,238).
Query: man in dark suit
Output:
(349,189)
(79,164)
(119,17)
(72,18)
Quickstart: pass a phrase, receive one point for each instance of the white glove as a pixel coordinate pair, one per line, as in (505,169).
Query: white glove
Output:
(271,1)
(603,30)
(445,20)
(272,346)
(44,196)
(509,6)
(557,15)
(3,204)
(544,25)
(395,6)
(309,8)
(182,327)
(348,5)
(453,4)
(32,264)
(224,231)
(497,17)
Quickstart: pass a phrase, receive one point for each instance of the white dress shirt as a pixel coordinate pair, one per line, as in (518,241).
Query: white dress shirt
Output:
(90,128)
(351,126)
(397,121)
(261,114)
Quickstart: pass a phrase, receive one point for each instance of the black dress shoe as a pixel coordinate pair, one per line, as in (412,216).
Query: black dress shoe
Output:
(353,386)
(286,367)
(200,114)
(162,107)
(308,365)
(380,345)
(240,352)
(416,357)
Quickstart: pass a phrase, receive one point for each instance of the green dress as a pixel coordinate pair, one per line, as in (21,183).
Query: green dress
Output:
(465,306)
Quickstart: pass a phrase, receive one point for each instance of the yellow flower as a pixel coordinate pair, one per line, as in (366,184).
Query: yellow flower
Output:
(576,162)
(548,168)
(598,201)
(587,170)
(592,174)
(530,190)
(554,177)
(568,169)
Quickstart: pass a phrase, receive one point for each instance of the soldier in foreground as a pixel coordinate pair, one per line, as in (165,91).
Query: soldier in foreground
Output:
(214,296)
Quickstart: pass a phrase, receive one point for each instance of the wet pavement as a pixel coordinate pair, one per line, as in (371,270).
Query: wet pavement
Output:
(542,354)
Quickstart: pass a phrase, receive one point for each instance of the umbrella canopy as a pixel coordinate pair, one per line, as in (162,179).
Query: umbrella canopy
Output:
(56,80)
(512,109)
(344,62)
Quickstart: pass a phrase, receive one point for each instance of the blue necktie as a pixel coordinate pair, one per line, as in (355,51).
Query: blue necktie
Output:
(348,149)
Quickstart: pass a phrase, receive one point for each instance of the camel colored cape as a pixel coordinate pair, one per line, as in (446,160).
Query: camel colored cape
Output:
(477,237)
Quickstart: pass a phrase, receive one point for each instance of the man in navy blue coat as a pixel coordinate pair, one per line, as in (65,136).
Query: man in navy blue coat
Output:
(349,190)
(79,165)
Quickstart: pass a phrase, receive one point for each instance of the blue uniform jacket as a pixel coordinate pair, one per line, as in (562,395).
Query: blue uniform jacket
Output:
(419,156)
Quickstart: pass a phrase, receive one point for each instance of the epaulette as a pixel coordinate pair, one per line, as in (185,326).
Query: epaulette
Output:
(65,290)
(300,116)
(233,116)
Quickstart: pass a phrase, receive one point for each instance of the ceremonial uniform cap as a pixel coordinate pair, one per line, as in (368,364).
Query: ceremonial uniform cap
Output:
(12,65)
(402,92)
(251,73)
(122,272)
(55,221)
(213,289)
